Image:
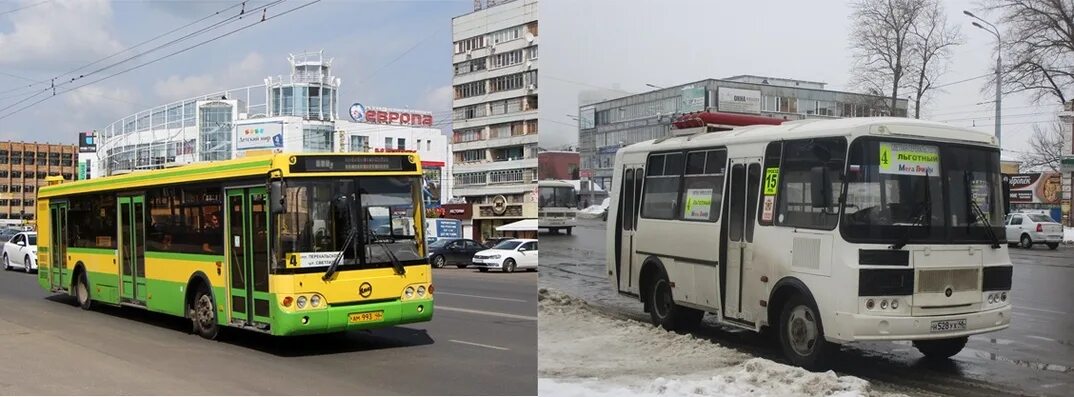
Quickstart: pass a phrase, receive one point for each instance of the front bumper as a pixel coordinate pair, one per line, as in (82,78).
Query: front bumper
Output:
(488,263)
(336,318)
(852,327)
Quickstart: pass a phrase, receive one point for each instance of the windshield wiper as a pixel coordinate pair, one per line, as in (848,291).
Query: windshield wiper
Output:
(339,258)
(918,215)
(398,266)
(978,213)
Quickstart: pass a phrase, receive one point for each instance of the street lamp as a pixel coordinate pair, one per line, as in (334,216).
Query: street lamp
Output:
(999,69)
(654,86)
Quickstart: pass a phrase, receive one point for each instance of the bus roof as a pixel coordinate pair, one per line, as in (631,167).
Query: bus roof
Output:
(250,166)
(878,126)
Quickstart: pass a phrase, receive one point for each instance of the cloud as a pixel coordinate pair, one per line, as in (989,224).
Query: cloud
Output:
(59,33)
(250,70)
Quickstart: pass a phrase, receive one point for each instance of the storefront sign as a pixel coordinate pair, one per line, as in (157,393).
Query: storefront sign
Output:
(259,136)
(1040,188)
(909,159)
(457,211)
(693,99)
(377,115)
(87,142)
(736,100)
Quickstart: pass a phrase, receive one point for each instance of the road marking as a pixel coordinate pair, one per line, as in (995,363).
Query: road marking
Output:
(514,316)
(484,297)
(478,344)
(1039,310)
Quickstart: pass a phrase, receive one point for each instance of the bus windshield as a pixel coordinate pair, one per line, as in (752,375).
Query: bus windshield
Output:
(921,192)
(558,197)
(319,214)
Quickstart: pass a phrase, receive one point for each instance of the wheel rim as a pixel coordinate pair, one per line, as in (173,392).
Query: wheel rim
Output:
(204,312)
(802,330)
(439,261)
(662,299)
(26,264)
(1025,241)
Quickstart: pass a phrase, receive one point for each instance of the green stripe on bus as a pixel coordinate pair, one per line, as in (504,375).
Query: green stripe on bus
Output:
(105,182)
(42,249)
(184,257)
(86,250)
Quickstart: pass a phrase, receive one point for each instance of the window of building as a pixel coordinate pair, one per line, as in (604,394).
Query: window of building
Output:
(531,127)
(470,66)
(359,143)
(402,144)
(506,176)
(469,156)
(506,59)
(16,202)
(185,219)
(500,130)
(215,129)
(29,188)
(469,44)
(660,199)
(317,138)
(794,206)
(388,143)
(506,83)
(4,188)
(471,89)
(505,35)
(428,145)
(469,135)
(471,178)
(16,188)
(469,112)
(508,153)
(28,203)
(533,52)
(16,174)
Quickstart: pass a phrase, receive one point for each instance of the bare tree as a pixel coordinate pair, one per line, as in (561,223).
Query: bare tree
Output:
(1045,149)
(882,40)
(1038,47)
(932,39)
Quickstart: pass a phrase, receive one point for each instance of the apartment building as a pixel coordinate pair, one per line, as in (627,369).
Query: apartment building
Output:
(23,168)
(494,143)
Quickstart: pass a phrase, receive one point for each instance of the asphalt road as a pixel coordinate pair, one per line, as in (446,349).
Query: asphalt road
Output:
(482,340)
(1034,356)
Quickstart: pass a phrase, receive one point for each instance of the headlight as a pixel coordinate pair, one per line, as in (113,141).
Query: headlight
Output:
(894,304)
(421,290)
(315,301)
(494,256)
(869,304)
(409,292)
(884,304)
(1003,296)
(301,302)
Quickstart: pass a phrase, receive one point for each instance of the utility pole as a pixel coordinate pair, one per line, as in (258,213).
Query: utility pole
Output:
(999,70)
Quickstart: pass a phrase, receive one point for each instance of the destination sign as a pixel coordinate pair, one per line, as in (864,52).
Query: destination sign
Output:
(353,164)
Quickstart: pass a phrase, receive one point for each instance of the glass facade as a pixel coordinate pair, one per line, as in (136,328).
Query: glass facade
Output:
(215,131)
(317,138)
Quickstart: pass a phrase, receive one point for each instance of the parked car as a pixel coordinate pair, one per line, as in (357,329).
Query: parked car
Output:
(21,251)
(457,252)
(493,241)
(1029,229)
(508,256)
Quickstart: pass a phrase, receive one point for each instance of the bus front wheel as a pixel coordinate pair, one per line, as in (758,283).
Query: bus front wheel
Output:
(666,313)
(203,314)
(801,335)
(82,292)
(940,349)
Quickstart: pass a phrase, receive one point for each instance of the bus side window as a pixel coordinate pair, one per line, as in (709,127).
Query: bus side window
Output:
(639,175)
(794,205)
(626,212)
(660,199)
(703,190)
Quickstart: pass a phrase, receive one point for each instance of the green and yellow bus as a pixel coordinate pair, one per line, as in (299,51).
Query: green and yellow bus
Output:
(284,244)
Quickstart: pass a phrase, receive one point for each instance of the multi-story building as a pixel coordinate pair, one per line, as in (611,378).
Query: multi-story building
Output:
(295,113)
(606,126)
(495,112)
(1066,163)
(23,167)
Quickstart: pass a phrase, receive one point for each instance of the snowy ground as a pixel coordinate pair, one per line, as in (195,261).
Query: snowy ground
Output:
(582,352)
(1068,235)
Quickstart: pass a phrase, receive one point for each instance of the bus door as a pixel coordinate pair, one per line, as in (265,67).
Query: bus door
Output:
(131,248)
(627,220)
(57,269)
(246,222)
(740,297)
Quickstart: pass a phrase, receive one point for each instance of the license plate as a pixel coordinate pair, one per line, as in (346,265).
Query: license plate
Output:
(948,325)
(367,317)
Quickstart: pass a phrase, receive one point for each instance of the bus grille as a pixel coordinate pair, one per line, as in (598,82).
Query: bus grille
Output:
(932,281)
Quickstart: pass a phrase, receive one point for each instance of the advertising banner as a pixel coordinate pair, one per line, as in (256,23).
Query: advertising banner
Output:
(736,100)
(693,99)
(1039,188)
(259,136)
(87,142)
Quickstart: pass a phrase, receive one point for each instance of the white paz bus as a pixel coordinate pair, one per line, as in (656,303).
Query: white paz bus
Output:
(557,207)
(825,231)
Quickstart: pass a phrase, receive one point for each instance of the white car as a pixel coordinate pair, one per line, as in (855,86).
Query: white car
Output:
(508,256)
(1029,229)
(21,251)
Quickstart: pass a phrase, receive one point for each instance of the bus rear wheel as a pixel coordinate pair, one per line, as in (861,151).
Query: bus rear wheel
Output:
(940,349)
(665,313)
(801,335)
(203,314)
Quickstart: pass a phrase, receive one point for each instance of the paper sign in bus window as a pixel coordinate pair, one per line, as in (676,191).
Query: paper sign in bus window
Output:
(769,208)
(909,159)
(698,204)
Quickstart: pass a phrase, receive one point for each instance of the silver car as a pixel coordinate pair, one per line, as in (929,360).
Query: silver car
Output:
(1029,229)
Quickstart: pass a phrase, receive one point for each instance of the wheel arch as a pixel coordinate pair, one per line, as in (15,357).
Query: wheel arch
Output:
(650,267)
(196,280)
(76,271)
(782,291)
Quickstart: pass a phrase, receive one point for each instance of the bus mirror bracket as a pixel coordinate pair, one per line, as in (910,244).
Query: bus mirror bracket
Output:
(276,187)
(820,187)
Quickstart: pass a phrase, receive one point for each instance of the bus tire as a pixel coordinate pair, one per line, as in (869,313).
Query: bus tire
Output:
(801,335)
(663,310)
(82,292)
(940,349)
(203,314)
(570,230)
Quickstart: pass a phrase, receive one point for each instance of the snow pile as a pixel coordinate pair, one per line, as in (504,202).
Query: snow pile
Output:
(591,212)
(582,352)
(1068,235)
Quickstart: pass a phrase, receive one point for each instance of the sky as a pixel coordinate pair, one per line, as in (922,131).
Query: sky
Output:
(603,45)
(387,53)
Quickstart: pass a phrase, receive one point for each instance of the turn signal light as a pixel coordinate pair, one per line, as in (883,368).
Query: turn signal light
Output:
(287,301)
(430,289)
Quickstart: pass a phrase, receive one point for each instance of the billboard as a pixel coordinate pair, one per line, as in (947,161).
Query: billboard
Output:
(378,115)
(259,135)
(1039,188)
(693,99)
(735,100)
(87,142)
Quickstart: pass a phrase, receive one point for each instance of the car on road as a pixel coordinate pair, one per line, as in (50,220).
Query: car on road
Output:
(1027,229)
(508,256)
(21,251)
(457,252)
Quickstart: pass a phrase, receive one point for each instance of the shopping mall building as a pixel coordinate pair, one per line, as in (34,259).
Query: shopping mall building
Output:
(295,113)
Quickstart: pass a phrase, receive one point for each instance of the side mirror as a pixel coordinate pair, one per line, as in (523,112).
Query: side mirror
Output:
(521,250)
(21,243)
(276,203)
(820,187)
